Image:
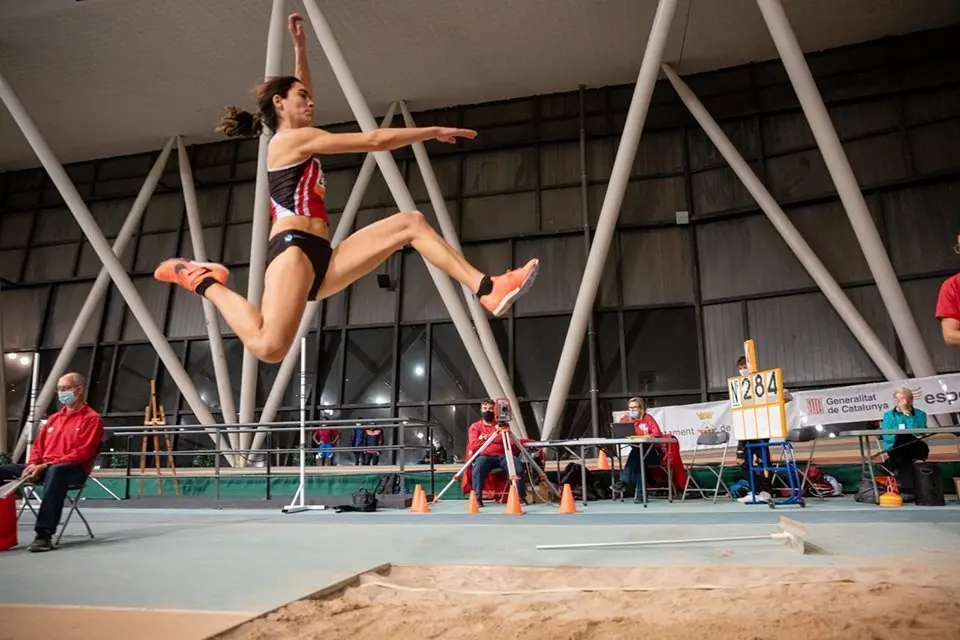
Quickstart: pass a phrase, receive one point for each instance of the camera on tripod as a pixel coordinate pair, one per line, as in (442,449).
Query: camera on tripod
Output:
(504,414)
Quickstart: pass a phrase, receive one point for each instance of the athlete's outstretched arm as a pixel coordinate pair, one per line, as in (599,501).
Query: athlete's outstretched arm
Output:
(317,141)
(302,69)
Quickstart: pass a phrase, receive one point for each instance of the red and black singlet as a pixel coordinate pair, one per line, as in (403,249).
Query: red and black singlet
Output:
(298,190)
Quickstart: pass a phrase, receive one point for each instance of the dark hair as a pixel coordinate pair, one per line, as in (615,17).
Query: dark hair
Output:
(487,401)
(741,360)
(239,123)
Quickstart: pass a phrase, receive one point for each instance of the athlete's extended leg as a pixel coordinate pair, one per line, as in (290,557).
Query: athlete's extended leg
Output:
(366,249)
(268,331)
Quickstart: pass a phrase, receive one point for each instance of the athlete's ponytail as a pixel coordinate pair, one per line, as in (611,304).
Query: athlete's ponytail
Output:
(239,123)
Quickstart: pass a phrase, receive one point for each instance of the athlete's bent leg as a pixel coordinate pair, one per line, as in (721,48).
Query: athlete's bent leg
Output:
(366,249)
(268,331)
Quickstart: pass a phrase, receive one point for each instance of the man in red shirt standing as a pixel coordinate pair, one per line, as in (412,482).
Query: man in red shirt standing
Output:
(948,306)
(494,456)
(63,455)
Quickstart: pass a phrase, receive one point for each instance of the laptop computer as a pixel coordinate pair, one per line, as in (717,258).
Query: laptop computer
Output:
(620,430)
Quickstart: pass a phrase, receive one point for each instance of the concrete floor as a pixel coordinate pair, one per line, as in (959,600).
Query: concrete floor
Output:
(252,561)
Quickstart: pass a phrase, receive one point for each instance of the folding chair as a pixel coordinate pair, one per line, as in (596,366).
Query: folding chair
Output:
(73,500)
(708,439)
(807,434)
(797,435)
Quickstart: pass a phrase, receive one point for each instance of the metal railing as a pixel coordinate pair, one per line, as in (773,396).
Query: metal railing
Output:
(401,445)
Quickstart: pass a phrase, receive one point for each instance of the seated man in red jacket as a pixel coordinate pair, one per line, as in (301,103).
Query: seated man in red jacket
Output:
(494,456)
(63,455)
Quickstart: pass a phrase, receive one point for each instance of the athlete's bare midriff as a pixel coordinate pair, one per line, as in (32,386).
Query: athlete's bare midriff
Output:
(313,226)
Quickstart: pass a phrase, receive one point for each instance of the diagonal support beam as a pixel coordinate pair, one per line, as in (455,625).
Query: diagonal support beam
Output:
(261,227)
(847,188)
(609,213)
(841,303)
(480,321)
(400,193)
(291,361)
(220,370)
(95,298)
(95,237)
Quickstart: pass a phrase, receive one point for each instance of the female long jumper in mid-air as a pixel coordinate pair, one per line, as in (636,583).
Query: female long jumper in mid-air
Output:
(301,265)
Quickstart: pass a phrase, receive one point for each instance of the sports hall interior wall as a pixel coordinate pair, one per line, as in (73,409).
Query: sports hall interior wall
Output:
(675,303)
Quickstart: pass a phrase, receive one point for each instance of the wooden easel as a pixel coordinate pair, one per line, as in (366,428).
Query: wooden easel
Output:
(155,416)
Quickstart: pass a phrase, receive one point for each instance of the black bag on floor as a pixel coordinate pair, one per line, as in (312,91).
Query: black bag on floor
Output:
(363,501)
(927,488)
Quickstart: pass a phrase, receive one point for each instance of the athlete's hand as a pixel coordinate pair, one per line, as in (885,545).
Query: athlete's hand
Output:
(296,29)
(450,134)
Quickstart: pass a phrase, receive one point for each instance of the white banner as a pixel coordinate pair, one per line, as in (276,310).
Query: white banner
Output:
(858,403)
(688,420)
(866,402)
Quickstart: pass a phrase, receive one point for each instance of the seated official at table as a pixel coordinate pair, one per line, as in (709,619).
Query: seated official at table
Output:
(62,456)
(902,448)
(643,425)
(494,456)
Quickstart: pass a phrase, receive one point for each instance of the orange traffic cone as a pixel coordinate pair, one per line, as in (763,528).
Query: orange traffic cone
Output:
(513,502)
(416,498)
(420,501)
(603,462)
(473,506)
(424,505)
(567,505)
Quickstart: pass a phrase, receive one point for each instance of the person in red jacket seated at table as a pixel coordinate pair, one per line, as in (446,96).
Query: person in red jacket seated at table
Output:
(643,425)
(494,456)
(62,456)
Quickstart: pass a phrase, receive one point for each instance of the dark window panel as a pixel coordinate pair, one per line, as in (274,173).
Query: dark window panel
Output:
(25,306)
(369,366)
(55,225)
(609,370)
(328,373)
(67,301)
(413,364)
(18,369)
(453,375)
(15,228)
(11,262)
(538,343)
(662,353)
(131,381)
(100,378)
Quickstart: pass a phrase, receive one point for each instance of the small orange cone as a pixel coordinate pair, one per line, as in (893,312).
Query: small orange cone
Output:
(513,502)
(472,506)
(567,505)
(419,501)
(424,505)
(603,462)
(416,498)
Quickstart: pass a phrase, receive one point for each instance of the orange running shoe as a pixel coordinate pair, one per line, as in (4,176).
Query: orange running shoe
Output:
(189,274)
(510,286)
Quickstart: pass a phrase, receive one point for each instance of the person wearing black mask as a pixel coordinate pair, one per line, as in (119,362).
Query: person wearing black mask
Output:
(494,456)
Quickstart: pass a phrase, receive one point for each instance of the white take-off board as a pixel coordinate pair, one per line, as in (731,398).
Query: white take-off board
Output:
(757,406)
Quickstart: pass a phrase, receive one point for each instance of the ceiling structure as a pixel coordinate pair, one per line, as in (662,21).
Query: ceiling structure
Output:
(110,77)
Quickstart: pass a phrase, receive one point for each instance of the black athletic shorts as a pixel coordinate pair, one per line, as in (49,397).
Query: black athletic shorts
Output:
(318,250)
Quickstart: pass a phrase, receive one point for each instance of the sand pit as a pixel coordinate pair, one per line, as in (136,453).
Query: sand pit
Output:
(665,603)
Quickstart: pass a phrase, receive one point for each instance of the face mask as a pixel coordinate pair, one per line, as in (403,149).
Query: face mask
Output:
(634,414)
(487,416)
(743,372)
(66,397)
